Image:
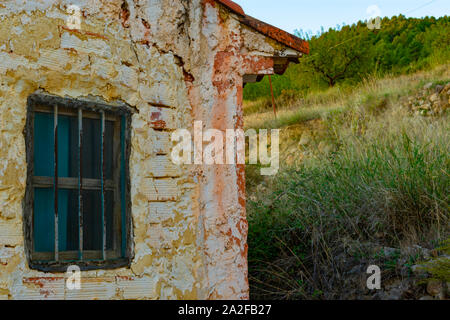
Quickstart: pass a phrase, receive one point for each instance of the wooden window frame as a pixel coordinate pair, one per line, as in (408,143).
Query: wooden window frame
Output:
(87,260)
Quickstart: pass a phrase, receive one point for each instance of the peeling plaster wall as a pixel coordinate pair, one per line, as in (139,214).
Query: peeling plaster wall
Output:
(176,61)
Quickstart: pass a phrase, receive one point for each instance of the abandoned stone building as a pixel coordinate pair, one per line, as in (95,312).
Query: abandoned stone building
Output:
(90,91)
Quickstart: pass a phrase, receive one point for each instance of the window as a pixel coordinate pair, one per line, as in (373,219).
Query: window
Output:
(77,198)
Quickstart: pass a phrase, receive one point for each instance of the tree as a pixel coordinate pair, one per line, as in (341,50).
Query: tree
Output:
(339,55)
(353,52)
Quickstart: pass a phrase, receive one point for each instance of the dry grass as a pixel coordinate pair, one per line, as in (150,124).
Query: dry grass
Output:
(359,169)
(317,105)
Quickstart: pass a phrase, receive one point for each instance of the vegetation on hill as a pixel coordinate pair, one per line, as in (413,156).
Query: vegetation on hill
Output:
(364,175)
(349,54)
(364,180)
(365,171)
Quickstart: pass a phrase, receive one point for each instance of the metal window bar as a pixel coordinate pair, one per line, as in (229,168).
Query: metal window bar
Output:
(80,185)
(103,186)
(116,185)
(55,179)
(123,128)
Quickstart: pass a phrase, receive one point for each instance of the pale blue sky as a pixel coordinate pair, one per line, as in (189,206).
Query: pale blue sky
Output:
(312,14)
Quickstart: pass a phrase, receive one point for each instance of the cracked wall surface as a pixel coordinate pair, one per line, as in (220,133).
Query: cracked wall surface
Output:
(175,61)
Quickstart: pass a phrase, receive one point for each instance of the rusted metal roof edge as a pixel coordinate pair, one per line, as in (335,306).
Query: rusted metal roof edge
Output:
(233,6)
(277,34)
(268,30)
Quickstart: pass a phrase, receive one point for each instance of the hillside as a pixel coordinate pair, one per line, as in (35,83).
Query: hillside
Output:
(364,179)
(347,55)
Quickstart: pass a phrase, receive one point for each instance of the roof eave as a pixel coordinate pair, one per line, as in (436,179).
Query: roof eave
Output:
(268,30)
(276,34)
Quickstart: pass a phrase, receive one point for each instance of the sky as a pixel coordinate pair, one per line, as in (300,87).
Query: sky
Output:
(311,15)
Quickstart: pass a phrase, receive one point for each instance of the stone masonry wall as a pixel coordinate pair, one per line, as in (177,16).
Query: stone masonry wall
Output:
(176,61)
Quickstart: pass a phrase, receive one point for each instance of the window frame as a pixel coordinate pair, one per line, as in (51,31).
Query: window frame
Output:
(121,113)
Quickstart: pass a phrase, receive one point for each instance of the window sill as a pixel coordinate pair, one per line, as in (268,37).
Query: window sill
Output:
(61,267)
